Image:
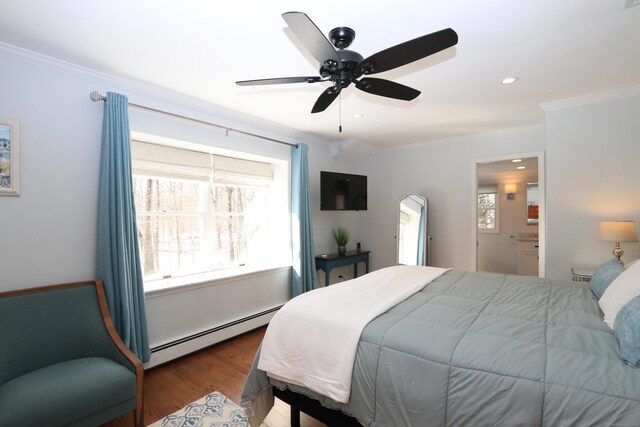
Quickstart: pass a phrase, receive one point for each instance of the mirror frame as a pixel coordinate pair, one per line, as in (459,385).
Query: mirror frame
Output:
(426,240)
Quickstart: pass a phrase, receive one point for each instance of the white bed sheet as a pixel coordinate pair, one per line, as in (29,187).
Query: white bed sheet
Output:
(312,340)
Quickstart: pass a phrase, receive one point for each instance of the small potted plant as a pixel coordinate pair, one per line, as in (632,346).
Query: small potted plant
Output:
(341,235)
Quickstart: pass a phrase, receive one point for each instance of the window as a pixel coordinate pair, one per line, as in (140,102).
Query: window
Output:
(200,213)
(488,212)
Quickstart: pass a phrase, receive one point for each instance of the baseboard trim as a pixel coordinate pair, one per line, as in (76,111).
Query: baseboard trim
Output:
(183,346)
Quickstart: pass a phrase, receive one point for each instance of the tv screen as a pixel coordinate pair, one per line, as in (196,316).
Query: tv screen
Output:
(342,192)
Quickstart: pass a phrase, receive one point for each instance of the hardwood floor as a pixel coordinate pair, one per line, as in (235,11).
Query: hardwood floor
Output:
(223,367)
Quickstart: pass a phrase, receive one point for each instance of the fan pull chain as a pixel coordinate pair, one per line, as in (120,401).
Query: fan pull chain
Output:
(340,112)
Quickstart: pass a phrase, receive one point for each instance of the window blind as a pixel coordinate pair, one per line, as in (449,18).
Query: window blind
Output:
(176,163)
(488,189)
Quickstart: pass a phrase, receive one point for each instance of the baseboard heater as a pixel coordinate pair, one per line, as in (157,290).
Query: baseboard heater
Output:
(183,346)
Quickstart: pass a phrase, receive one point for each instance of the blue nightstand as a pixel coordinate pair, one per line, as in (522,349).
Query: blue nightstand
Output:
(328,262)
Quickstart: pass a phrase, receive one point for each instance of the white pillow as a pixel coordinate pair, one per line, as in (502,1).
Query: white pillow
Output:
(623,289)
(628,265)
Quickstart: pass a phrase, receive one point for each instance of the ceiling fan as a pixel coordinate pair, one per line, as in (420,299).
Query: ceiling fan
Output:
(342,67)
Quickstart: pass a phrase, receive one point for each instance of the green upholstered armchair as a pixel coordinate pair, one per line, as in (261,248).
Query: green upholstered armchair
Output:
(61,360)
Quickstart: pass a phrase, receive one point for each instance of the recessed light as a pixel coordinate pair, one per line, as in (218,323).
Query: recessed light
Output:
(508,80)
(516,160)
(358,116)
(521,167)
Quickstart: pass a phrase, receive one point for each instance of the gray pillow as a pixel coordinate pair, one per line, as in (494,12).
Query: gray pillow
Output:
(604,275)
(627,329)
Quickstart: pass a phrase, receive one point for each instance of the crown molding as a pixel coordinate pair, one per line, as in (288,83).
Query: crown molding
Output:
(176,102)
(591,98)
(537,127)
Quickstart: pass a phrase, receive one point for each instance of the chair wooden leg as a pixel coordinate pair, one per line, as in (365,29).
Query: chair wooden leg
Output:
(138,413)
(138,417)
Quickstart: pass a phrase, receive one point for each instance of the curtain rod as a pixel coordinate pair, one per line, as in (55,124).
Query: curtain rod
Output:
(95,96)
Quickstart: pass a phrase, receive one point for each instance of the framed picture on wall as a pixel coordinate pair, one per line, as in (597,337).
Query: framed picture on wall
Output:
(9,157)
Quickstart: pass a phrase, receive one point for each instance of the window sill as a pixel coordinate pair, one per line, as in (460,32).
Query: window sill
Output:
(172,285)
(488,231)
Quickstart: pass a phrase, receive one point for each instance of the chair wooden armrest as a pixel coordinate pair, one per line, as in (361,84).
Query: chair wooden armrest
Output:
(66,332)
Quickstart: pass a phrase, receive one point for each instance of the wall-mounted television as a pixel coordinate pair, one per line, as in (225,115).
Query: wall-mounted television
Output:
(342,192)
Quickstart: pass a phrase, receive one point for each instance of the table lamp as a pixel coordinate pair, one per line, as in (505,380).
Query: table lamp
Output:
(618,231)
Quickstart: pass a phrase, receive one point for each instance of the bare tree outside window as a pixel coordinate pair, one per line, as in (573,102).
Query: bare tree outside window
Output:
(188,227)
(487,211)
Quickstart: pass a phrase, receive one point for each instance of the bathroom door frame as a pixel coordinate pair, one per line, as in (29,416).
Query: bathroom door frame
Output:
(542,220)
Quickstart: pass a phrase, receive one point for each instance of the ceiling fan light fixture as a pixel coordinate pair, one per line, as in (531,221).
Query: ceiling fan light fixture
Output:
(509,80)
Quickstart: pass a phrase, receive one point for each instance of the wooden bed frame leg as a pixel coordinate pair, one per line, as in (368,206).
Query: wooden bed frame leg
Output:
(295,417)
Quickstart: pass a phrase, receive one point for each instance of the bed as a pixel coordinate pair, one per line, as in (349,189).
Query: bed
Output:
(476,349)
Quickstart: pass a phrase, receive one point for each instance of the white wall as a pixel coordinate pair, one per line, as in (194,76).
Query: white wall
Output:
(593,153)
(442,172)
(48,232)
(592,148)
(324,221)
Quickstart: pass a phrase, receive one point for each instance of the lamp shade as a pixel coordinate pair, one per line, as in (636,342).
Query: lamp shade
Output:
(618,231)
(509,188)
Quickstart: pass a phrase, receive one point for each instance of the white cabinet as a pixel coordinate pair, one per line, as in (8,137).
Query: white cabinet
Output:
(528,257)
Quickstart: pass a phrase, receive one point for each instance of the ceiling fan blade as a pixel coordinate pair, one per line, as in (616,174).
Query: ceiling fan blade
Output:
(327,97)
(407,52)
(387,88)
(311,37)
(279,80)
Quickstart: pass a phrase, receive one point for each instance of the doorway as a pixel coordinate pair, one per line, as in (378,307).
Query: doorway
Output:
(508,221)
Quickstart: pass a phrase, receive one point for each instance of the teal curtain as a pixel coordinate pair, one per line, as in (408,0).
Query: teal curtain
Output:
(421,239)
(118,256)
(303,278)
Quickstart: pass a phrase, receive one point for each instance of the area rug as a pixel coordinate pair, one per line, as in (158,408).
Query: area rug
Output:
(213,410)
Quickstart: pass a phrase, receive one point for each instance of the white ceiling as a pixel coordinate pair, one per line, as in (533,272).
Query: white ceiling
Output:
(506,172)
(557,49)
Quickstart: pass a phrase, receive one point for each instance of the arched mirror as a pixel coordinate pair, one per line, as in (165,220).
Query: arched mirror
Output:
(413,236)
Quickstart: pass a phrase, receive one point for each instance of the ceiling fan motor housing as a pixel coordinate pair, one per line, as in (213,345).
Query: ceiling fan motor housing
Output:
(344,75)
(349,58)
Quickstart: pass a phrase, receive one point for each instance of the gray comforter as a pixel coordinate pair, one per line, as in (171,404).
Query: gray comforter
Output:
(476,349)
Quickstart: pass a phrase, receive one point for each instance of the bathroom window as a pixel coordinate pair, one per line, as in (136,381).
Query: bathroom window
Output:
(488,212)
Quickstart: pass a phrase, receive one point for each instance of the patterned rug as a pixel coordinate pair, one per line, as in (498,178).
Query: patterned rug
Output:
(213,410)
